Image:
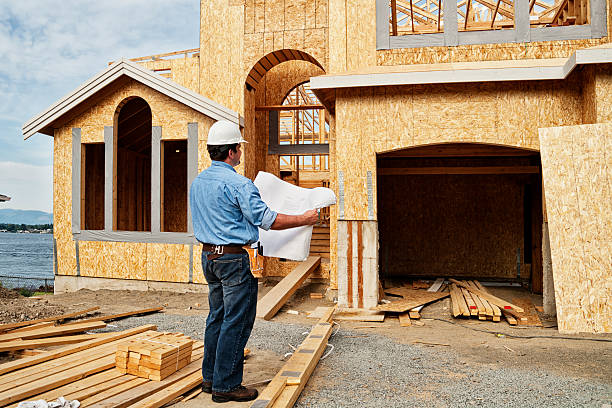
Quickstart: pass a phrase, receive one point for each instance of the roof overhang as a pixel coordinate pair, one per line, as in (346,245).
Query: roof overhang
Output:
(51,118)
(464,72)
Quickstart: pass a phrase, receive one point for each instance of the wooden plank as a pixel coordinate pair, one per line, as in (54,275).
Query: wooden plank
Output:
(531,315)
(492,299)
(404,319)
(30,361)
(414,314)
(470,302)
(433,288)
(45,342)
(465,310)
(360,315)
(276,298)
(75,389)
(9,326)
(32,327)
(110,392)
(456,309)
(52,331)
(296,370)
(287,107)
(171,392)
(119,315)
(56,380)
(485,302)
(412,299)
(482,312)
(496,310)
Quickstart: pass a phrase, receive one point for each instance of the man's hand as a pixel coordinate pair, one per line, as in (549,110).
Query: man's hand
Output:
(311,217)
(284,221)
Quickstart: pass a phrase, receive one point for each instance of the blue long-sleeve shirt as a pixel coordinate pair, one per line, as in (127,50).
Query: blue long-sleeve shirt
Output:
(226,208)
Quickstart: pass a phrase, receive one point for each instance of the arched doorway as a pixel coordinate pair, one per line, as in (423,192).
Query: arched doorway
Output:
(462,209)
(132,197)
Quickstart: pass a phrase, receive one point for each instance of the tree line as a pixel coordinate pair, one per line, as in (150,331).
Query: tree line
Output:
(25,227)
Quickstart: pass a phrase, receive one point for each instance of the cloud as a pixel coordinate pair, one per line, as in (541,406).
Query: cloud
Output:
(30,187)
(49,47)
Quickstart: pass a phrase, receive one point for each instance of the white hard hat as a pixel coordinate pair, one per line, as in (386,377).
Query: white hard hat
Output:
(224,132)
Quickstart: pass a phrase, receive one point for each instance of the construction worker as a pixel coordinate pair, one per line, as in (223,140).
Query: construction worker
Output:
(227,211)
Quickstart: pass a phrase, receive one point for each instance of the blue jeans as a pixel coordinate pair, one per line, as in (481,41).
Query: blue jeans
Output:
(232,299)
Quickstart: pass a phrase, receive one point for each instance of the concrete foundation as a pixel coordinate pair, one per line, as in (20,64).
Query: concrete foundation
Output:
(64,284)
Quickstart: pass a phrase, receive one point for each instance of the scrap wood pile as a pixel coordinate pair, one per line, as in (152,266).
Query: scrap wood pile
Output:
(83,368)
(468,299)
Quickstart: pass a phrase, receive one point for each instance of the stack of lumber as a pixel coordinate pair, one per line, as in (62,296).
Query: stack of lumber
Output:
(154,356)
(86,371)
(471,299)
(285,388)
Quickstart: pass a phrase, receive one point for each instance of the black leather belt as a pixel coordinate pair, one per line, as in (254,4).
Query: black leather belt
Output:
(218,250)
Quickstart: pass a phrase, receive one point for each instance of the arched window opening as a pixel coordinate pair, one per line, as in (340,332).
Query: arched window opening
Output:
(133,166)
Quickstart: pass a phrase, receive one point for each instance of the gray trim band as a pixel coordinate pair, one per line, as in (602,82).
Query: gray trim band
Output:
(137,236)
(382,25)
(76,179)
(108,177)
(78,261)
(156,135)
(521,21)
(599,20)
(451,28)
(560,33)
(192,166)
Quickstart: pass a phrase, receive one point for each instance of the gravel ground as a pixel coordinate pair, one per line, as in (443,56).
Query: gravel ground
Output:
(369,370)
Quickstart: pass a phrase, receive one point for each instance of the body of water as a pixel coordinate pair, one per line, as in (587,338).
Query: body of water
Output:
(26,260)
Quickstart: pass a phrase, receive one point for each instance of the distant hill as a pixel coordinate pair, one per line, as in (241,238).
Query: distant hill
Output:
(28,217)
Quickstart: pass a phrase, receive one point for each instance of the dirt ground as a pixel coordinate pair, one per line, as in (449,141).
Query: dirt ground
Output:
(475,342)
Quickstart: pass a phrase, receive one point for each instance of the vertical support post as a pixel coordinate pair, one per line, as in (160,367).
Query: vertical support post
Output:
(156,135)
(78,262)
(273,129)
(192,166)
(76,180)
(451,29)
(109,170)
(521,21)
(190,263)
(394,16)
(382,25)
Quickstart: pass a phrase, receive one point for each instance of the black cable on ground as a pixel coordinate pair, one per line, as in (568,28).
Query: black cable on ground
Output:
(522,337)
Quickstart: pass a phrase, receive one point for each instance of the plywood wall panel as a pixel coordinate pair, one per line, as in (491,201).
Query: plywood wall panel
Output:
(483,52)
(198,273)
(315,44)
(603,90)
(249,16)
(274,14)
(295,14)
(577,172)
(360,34)
(589,97)
(62,202)
(337,36)
(168,262)
(321,13)
(293,40)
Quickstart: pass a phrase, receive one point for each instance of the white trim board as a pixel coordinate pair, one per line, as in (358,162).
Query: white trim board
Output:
(43,121)
(494,71)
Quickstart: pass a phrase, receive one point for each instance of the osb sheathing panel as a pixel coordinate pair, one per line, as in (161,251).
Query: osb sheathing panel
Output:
(483,52)
(603,92)
(274,15)
(577,172)
(62,201)
(275,267)
(376,120)
(183,71)
(333,218)
(221,50)
(168,262)
(116,259)
(589,97)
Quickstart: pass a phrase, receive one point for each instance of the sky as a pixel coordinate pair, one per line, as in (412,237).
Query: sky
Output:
(50,47)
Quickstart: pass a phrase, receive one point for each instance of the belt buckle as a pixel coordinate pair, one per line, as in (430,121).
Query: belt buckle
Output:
(218,250)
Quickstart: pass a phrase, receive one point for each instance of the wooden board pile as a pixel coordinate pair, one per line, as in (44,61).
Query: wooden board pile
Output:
(154,356)
(472,299)
(83,368)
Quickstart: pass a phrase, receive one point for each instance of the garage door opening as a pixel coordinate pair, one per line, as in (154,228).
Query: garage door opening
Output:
(470,211)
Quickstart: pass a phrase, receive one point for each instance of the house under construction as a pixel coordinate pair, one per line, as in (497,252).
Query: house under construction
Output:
(467,139)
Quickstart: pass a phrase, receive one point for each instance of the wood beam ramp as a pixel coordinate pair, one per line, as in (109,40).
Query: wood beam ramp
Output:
(285,388)
(270,304)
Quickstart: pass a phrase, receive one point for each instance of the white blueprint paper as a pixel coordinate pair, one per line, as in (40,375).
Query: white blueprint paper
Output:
(285,198)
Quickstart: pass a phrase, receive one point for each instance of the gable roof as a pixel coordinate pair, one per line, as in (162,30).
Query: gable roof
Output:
(44,121)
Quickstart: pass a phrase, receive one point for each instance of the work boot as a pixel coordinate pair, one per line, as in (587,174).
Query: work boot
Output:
(240,394)
(207,387)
